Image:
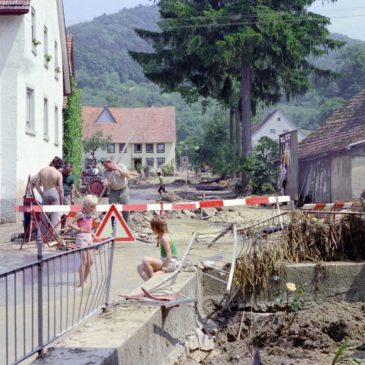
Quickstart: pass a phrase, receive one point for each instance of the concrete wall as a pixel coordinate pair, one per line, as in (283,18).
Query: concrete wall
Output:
(132,333)
(25,152)
(341,178)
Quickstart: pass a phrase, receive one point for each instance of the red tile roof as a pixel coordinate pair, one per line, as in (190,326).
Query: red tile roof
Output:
(14,7)
(134,125)
(345,126)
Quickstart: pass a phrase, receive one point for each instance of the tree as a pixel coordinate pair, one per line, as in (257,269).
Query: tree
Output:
(214,148)
(264,166)
(95,142)
(212,48)
(72,136)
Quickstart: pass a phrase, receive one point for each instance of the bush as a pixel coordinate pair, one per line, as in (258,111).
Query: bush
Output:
(168,169)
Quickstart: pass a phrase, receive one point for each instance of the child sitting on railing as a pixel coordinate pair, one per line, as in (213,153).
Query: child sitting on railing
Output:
(82,223)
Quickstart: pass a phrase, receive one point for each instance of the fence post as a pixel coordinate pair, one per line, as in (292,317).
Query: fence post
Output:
(110,269)
(40,295)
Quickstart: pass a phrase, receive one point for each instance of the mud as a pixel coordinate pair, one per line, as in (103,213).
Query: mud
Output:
(308,337)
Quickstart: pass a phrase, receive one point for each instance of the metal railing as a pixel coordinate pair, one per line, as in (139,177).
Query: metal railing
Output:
(267,231)
(42,300)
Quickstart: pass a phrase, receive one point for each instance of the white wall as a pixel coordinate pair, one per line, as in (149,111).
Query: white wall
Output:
(127,158)
(21,68)
(280,123)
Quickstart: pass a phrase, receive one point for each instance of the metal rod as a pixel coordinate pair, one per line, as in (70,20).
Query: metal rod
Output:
(15,320)
(32,296)
(6,321)
(67,290)
(74,296)
(214,277)
(48,304)
(54,299)
(233,263)
(61,297)
(24,322)
(110,268)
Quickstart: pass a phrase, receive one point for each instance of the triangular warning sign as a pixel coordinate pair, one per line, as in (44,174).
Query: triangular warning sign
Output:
(105,229)
(29,194)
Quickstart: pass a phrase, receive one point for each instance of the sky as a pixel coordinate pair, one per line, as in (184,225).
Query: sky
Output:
(347,16)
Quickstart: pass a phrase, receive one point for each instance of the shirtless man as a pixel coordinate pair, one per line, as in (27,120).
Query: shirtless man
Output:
(51,180)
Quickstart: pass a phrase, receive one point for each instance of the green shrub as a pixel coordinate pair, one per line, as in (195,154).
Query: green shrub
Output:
(168,169)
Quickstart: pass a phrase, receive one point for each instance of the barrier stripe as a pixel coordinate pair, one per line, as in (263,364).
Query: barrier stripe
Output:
(211,203)
(327,206)
(142,207)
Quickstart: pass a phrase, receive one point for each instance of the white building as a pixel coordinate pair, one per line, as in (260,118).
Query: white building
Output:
(273,125)
(34,77)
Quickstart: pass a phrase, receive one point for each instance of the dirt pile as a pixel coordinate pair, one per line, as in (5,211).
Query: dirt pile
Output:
(310,337)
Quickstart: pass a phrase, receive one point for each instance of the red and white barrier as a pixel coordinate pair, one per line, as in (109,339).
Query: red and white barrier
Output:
(328,206)
(160,206)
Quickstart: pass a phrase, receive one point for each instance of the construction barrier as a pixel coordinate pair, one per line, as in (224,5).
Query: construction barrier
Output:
(159,206)
(328,206)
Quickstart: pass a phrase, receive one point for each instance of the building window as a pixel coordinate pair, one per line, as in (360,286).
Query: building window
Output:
(138,148)
(35,41)
(56,127)
(47,56)
(57,68)
(45,119)
(111,148)
(285,130)
(272,131)
(150,162)
(29,113)
(121,147)
(279,119)
(149,147)
(160,161)
(160,147)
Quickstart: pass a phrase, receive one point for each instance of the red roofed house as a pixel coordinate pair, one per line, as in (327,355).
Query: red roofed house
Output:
(150,134)
(34,78)
(332,158)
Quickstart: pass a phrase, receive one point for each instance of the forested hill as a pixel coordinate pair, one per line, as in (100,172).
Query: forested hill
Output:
(107,75)
(101,46)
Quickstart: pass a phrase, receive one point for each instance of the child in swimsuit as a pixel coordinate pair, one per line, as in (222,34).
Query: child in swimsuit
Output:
(168,260)
(82,223)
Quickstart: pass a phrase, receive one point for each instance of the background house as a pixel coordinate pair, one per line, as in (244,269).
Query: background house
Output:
(150,134)
(34,77)
(273,125)
(332,158)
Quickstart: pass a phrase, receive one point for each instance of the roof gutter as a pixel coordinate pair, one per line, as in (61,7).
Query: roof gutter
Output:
(349,146)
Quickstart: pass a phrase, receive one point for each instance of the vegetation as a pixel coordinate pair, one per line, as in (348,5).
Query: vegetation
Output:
(95,142)
(240,53)
(264,175)
(113,78)
(107,77)
(72,136)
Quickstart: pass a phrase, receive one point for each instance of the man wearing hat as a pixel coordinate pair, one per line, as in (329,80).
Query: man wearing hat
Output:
(116,178)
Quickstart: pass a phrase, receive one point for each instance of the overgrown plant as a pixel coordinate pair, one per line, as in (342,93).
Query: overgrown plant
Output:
(72,136)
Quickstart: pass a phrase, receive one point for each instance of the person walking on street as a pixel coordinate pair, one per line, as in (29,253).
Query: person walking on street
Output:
(162,187)
(116,178)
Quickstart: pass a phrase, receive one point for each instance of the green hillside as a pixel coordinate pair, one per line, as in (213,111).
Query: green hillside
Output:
(107,75)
